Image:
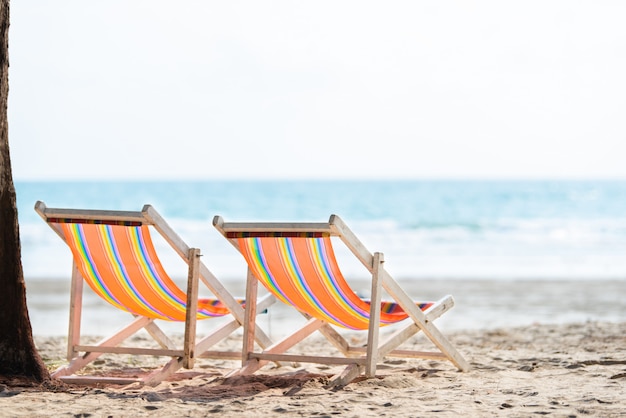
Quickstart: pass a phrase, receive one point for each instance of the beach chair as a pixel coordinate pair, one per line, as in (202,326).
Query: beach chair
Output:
(296,263)
(114,254)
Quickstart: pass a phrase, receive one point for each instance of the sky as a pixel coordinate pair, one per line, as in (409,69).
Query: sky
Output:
(153,89)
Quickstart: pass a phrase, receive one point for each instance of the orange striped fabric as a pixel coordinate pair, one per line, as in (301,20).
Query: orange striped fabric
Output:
(303,272)
(120,264)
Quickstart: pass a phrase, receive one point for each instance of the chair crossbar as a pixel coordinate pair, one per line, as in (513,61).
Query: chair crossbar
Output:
(275,227)
(308,359)
(90,380)
(88,214)
(129,350)
(94,221)
(282,234)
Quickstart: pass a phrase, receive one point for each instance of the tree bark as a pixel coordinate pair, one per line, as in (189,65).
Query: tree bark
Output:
(18,355)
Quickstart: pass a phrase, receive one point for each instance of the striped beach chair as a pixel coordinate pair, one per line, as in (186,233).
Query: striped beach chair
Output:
(296,263)
(114,254)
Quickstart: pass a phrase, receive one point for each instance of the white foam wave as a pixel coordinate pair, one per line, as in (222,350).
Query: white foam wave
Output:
(507,249)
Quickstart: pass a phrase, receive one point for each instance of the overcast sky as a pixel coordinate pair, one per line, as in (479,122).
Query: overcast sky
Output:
(153,89)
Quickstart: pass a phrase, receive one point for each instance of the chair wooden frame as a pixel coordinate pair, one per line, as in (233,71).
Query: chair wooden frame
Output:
(357,359)
(79,355)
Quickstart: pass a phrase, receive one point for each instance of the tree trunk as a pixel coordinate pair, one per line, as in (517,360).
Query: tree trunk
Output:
(18,354)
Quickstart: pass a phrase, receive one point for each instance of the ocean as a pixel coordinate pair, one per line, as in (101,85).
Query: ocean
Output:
(501,233)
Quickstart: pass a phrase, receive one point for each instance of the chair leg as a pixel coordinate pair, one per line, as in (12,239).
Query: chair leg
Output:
(374,325)
(350,373)
(191,314)
(249,325)
(76,305)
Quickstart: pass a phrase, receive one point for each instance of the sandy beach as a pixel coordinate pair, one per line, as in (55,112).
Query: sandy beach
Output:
(562,354)
(567,370)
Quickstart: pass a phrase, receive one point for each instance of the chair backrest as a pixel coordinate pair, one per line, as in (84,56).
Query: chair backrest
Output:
(300,268)
(118,261)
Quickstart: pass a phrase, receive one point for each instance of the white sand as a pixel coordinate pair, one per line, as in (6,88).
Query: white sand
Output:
(562,370)
(537,348)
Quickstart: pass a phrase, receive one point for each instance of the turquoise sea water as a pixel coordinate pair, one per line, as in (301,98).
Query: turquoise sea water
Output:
(511,253)
(427,229)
